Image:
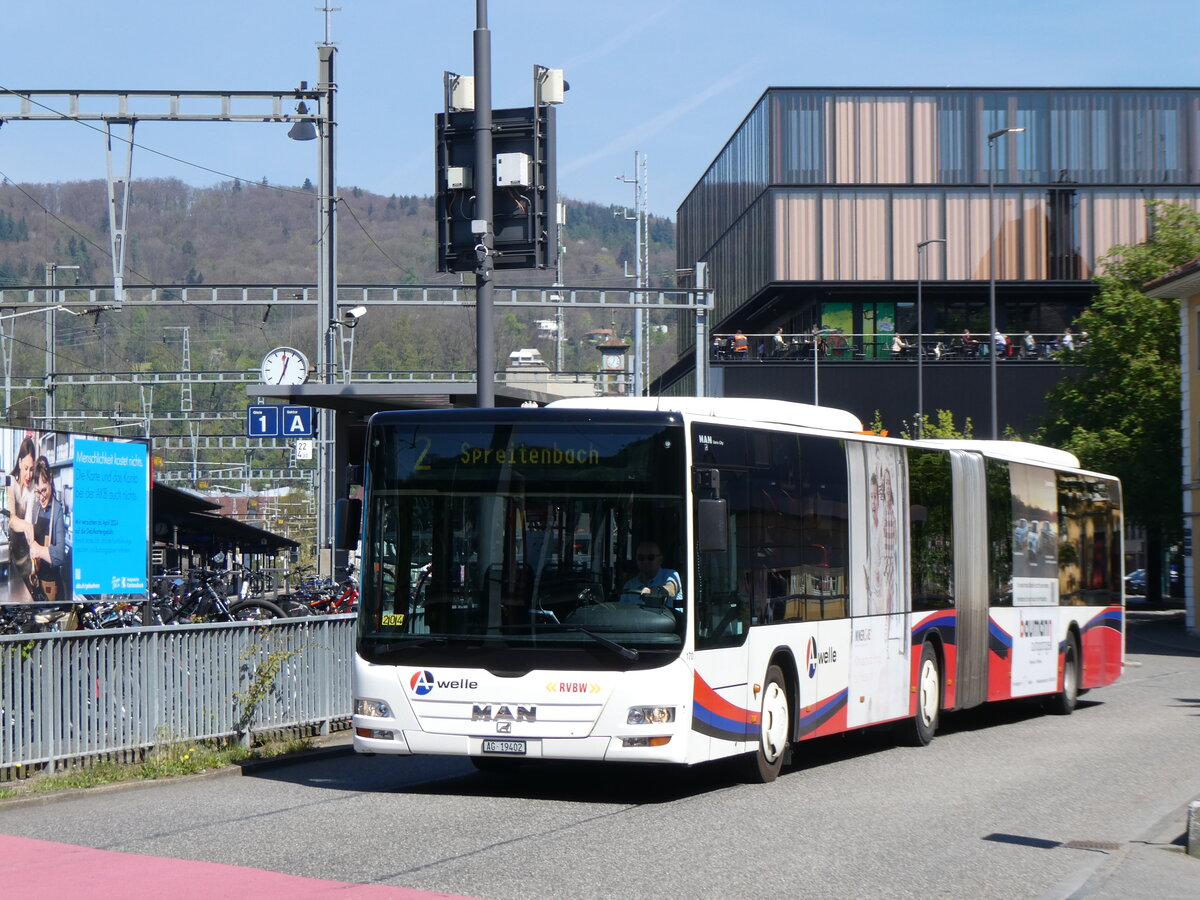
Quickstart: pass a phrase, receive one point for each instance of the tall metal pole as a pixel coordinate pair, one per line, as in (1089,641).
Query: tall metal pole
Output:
(51,338)
(921,337)
(53,298)
(643,267)
(991,340)
(700,283)
(992,238)
(641,317)
(327,301)
(560,218)
(485,350)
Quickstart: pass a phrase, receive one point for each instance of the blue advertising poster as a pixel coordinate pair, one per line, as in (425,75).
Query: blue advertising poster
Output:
(111,517)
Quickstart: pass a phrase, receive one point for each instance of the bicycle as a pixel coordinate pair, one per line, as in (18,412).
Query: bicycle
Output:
(323,597)
(252,582)
(204,602)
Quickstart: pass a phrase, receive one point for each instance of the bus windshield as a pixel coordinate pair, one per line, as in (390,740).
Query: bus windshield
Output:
(504,544)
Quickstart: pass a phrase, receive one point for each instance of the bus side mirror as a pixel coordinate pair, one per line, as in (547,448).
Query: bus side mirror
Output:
(712,526)
(347,523)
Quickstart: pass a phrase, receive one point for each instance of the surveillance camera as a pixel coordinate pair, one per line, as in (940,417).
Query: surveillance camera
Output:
(351,315)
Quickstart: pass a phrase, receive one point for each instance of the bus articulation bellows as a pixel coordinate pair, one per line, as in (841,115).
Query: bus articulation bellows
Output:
(831,580)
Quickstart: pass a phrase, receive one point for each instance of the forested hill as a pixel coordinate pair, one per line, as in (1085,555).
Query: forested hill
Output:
(248,233)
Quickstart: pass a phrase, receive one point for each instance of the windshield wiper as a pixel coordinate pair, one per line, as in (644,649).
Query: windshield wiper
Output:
(627,652)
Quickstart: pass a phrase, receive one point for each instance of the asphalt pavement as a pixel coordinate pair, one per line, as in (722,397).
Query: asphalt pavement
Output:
(1153,862)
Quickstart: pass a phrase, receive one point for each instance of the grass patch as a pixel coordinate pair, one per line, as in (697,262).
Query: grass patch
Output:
(165,761)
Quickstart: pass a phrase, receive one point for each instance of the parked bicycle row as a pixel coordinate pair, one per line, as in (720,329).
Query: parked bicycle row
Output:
(234,594)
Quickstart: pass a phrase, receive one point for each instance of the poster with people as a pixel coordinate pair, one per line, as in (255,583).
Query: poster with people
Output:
(879,575)
(880,533)
(1035,536)
(74,517)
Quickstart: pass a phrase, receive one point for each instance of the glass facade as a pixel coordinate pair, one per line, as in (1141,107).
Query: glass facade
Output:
(871,234)
(829,185)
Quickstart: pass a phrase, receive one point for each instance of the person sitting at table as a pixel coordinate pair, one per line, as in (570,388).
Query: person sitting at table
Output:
(1000,343)
(778,344)
(819,342)
(1029,346)
(900,347)
(741,345)
(970,346)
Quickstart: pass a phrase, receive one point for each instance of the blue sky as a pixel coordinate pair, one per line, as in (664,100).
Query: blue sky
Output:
(671,79)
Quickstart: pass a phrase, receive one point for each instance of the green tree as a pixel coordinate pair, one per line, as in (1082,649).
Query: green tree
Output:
(1120,414)
(940,427)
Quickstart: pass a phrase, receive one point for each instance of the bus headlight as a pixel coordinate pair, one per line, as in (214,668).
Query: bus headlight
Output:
(375,708)
(650,715)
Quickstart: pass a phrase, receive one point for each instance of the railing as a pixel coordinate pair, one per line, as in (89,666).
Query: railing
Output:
(116,694)
(833,345)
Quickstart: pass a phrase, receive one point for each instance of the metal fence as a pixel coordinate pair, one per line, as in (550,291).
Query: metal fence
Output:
(115,694)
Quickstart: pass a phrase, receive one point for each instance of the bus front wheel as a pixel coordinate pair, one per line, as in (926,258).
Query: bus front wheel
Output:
(774,734)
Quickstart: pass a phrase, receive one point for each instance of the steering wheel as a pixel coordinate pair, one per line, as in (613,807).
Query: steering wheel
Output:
(656,598)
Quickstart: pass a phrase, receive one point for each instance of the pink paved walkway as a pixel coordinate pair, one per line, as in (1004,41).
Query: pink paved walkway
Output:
(46,869)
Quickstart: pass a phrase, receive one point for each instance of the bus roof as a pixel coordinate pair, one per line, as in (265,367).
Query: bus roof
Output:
(822,417)
(781,412)
(1013,451)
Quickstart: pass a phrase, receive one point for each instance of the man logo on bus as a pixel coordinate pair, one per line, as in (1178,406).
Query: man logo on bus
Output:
(421,683)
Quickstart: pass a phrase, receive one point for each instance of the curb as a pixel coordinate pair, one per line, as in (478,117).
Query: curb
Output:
(251,766)
(339,745)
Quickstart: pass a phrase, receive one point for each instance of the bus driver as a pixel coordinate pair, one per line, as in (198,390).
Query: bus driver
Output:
(651,576)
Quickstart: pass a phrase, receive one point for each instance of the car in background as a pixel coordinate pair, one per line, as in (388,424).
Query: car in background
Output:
(1135,583)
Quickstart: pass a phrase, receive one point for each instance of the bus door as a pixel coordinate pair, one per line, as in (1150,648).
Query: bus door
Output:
(971,561)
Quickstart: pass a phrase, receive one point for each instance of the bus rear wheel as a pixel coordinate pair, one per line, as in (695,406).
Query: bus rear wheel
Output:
(774,734)
(923,726)
(1063,703)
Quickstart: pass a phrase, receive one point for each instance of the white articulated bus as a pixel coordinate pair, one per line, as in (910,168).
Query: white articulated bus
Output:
(816,579)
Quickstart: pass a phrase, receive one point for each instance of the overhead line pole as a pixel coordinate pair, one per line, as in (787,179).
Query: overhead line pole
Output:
(327,296)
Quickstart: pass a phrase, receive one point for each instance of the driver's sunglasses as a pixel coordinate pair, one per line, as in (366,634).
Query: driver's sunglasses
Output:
(646,557)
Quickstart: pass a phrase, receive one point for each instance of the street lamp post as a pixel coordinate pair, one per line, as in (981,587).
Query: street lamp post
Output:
(991,338)
(921,337)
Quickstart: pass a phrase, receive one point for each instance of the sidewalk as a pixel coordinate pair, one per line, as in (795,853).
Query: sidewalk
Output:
(56,871)
(1154,863)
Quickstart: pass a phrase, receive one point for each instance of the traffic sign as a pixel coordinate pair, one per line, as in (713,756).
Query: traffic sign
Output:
(262,421)
(278,421)
(297,422)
